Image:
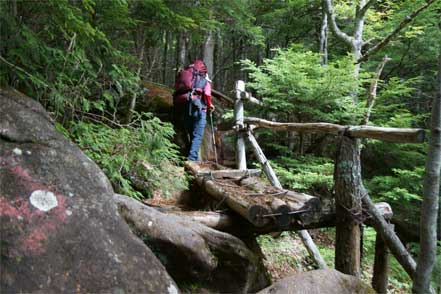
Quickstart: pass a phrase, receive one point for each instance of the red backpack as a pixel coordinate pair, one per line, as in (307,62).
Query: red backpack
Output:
(190,82)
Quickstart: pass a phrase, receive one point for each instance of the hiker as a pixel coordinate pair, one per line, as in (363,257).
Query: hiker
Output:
(192,100)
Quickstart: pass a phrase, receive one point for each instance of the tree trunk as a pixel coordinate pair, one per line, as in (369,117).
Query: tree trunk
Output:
(218,76)
(140,49)
(324,37)
(348,183)
(208,52)
(165,67)
(181,58)
(429,210)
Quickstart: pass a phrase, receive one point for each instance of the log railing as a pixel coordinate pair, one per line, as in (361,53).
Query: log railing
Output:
(350,195)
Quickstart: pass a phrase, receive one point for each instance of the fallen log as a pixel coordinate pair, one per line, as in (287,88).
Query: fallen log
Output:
(228,222)
(401,135)
(229,173)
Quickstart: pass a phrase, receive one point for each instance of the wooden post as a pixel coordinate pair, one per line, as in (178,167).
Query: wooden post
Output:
(238,121)
(381,265)
(348,186)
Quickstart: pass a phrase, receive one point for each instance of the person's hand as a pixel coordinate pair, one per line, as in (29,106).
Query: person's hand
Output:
(211,108)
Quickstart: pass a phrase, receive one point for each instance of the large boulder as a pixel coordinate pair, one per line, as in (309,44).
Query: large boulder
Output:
(60,228)
(328,281)
(195,254)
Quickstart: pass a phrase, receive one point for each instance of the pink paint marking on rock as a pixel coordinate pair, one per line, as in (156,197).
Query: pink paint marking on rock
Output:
(41,223)
(14,208)
(34,241)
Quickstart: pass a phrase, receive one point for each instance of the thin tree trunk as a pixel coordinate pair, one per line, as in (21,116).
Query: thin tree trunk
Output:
(429,210)
(182,51)
(208,52)
(218,56)
(140,48)
(165,68)
(324,37)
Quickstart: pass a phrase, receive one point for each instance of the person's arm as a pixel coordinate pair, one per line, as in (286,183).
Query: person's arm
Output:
(207,95)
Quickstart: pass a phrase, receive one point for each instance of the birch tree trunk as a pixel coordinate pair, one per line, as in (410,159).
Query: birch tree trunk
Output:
(429,210)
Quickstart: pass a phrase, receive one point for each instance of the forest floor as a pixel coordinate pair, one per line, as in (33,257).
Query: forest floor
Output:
(286,255)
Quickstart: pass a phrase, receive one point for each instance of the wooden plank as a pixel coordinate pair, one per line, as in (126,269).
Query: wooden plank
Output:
(235,201)
(399,135)
(229,173)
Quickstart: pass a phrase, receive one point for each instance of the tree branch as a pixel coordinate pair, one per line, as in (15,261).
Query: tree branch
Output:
(402,25)
(331,15)
(372,96)
(364,9)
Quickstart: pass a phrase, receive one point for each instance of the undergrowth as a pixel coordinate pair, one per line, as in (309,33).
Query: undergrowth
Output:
(139,159)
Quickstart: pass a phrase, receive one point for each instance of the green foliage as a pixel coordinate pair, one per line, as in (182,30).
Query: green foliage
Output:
(64,58)
(282,256)
(403,186)
(304,173)
(142,150)
(295,84)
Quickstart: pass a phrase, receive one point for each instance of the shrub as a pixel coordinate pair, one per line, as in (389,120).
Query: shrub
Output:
(139,152)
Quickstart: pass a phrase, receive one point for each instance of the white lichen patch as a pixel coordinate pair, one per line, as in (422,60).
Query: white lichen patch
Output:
(17,151)
(172,289)
(70,194)
(117,259)
(150,223)
(68,212)
(43,200)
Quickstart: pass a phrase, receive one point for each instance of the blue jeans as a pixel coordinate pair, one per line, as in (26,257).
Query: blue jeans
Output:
(195,119)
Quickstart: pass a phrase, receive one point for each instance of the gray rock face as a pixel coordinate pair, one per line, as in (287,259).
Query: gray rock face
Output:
(327,281)
(60,229)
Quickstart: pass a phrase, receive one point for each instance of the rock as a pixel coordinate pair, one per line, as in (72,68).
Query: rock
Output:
(60,228)
(194,253)
(327,281)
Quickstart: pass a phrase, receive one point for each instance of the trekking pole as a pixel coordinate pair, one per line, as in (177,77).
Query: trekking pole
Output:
(213,137)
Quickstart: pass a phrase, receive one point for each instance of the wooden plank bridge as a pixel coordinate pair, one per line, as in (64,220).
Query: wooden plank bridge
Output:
(269,207)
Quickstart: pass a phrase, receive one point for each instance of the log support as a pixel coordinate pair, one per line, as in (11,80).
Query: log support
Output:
(271,175)
(347,178)
(269,172)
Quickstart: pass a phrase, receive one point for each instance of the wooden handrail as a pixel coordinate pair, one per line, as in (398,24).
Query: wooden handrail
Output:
(399,135)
